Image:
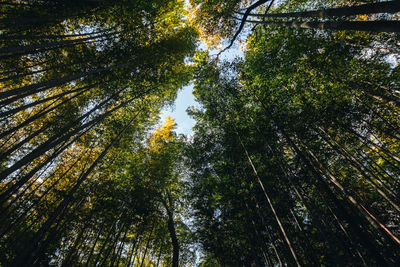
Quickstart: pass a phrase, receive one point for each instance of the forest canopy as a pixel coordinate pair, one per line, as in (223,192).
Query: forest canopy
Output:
(294,159)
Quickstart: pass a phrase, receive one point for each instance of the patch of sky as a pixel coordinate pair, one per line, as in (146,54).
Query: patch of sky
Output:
(184,100)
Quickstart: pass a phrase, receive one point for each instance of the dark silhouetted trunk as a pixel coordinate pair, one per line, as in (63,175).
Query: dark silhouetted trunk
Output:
(27,255)
(373,8)
(369,26)
(171,229)
(283,231)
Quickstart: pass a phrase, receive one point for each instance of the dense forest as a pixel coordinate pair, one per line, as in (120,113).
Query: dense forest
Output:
(294,159)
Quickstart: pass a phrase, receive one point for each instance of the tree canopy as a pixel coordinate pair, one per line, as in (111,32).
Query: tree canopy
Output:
(294,159)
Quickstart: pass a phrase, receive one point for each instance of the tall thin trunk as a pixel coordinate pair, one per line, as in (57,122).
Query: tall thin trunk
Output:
(291,178)
(159,253)
(35,117)
(74,246)
(29,65)
(318,174)
(35,103)
(55,233)
(351,241)
(168,205)
(50,144)
(42,46)
(51,36)
(36,201)
(369,26)
(372,219)
(120,249)
(95,242)
(367,142)
(19,93)
(373,8)
(54,140)
(112,245)
(26,254)
(261,242)
(137,241)
(105,242)
(379,186)
(147,244)
(22,73)
(19,183)
(21,69)
(288,243)
(12,52)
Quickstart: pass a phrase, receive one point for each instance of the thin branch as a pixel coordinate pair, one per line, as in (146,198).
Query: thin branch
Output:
(265,12)
(245,15)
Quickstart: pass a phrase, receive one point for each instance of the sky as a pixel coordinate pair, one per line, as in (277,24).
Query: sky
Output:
(185,96)
(186,99)
(178,112)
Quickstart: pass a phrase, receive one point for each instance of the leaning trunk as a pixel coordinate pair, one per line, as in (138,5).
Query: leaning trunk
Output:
(172,233)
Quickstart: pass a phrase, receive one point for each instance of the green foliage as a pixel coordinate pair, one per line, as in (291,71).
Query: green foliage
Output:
(294,159)
(292,123)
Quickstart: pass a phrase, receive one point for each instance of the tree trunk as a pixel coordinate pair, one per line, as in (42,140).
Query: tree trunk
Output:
(35,117)
(105,242)
(54,140)
(58,96)
(95,243)
(49,36)
(380,7)
(360,168)
(369,26)
(289,244)
(137,241)
(31,89)
(147,244)
(171,229)
(44,47)
(159,253)
(26,255)
(353,222)
(112,245)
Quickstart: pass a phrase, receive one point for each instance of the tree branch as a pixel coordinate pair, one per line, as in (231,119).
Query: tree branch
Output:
(245,15)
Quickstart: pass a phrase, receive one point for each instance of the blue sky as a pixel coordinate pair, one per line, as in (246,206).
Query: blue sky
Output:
(184,100)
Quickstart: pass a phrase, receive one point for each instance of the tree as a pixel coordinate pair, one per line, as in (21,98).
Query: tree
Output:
(220,18)
(274,122)
(78,79)
(294,159)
